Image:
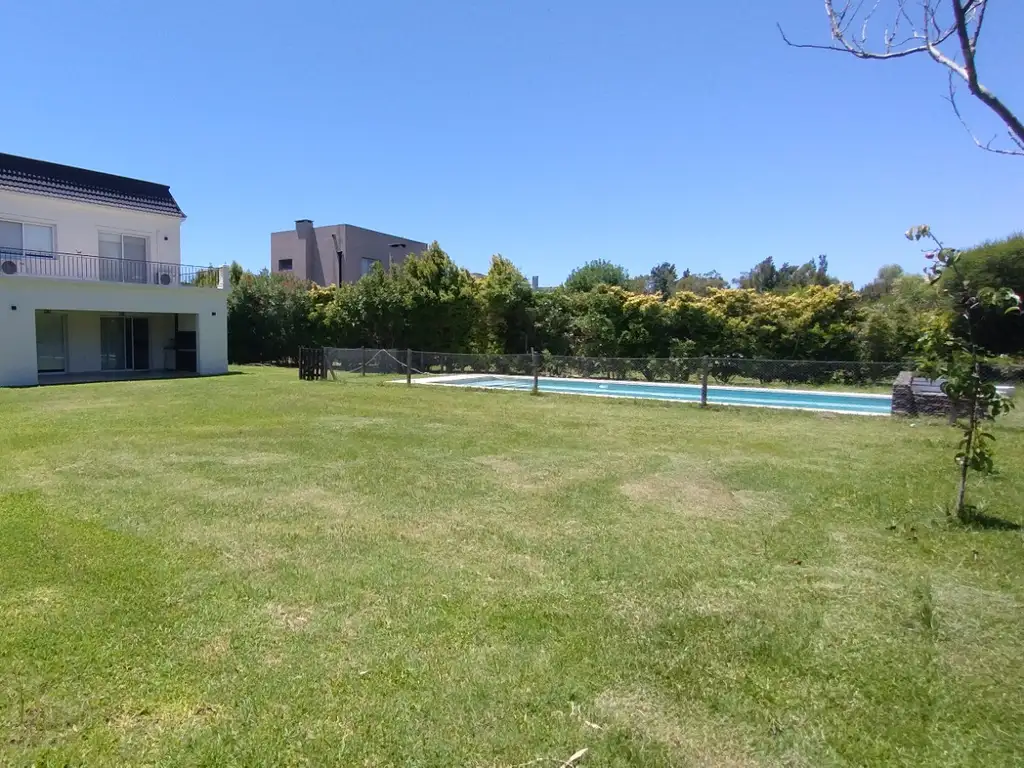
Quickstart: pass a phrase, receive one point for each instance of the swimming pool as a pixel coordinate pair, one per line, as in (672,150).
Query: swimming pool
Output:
(805,400)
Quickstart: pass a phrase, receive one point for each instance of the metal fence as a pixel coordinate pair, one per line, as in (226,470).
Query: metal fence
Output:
(721,370)
(735,371)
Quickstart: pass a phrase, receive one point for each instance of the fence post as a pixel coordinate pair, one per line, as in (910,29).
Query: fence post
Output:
(323,363)
(704,382)
(362,360)
(536,371)
(408,367)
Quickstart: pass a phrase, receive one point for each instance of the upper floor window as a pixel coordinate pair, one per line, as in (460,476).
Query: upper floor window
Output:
(32,239)
(367,266)
(129,247)
(123,257)
(284,265)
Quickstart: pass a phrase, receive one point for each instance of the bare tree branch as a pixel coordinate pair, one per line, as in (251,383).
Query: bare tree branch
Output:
(929,35)
(977,27)
(979,91)
(987,146)
(854,51)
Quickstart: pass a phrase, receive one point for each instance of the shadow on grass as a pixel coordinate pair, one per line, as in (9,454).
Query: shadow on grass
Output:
(981,521)
(63,380)
(973,518)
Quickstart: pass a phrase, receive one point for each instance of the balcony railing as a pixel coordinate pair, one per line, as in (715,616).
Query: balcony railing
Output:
(79,266)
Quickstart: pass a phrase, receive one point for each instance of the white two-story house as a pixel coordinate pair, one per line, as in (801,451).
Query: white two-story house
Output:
(91,280)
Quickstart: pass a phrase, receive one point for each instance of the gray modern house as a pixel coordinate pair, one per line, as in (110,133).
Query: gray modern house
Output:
(336,254)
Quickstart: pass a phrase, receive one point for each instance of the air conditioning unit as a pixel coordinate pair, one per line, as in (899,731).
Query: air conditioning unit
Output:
(164,278)
(9,267)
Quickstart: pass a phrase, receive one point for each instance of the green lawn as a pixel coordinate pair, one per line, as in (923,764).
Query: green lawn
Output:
(254,570)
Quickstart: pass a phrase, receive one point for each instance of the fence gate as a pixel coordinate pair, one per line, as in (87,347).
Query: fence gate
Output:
(312,363)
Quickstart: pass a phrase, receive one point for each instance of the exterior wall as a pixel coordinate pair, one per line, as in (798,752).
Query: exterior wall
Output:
(366,244)
(212,338)
(77,225)
(325,250)
(321,258)
(287,245)
(20,297)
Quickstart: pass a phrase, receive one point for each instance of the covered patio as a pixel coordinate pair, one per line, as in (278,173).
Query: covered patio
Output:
(74,346)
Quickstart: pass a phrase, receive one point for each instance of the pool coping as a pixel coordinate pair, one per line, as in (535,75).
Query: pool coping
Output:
(451,379)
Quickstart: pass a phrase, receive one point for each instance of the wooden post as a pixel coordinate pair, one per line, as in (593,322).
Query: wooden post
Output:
(536,372)
(408,367)
(362,360)
(704,383)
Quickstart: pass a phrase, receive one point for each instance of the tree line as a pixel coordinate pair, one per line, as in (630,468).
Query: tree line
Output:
(777,312)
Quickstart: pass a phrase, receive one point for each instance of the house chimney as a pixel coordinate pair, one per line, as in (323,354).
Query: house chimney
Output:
(303,227)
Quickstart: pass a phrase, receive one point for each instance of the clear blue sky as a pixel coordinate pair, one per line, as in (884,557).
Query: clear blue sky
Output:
(552,132)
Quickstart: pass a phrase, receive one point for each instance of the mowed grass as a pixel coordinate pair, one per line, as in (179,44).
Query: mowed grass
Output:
(254,570)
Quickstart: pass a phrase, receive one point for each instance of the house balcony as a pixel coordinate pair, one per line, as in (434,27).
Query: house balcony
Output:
(85,268)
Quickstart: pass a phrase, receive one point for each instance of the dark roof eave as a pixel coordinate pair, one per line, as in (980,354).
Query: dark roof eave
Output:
(39,177)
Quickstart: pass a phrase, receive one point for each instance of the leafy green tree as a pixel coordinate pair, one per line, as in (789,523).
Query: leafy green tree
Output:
(436,301)
(994,266)
(646,327)
(662,280)
(883,283)
(335,318)
(595,273)
(762,277)
(268,318)
(902,308)
(507,308)
(765,277)
(554,321)
(597,321)
(701,283)
(380,306)
(956,358)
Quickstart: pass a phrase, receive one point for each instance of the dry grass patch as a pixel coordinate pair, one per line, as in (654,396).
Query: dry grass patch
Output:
(690,732)
(308,497)
(180,716)
(291,618)
(686,492)
(32,602)
(708,599)
(250,459)
(534,475)
(352,422)
(514,474)
(215,649)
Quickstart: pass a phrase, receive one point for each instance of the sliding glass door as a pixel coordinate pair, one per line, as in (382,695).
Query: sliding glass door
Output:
(123,258)
(124,343)
(51,347)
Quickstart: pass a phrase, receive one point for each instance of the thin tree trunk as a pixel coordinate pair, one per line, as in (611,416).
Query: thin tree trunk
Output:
(961,511)
(972,420)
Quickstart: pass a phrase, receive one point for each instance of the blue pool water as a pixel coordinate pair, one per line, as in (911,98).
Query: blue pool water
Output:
(841,402)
